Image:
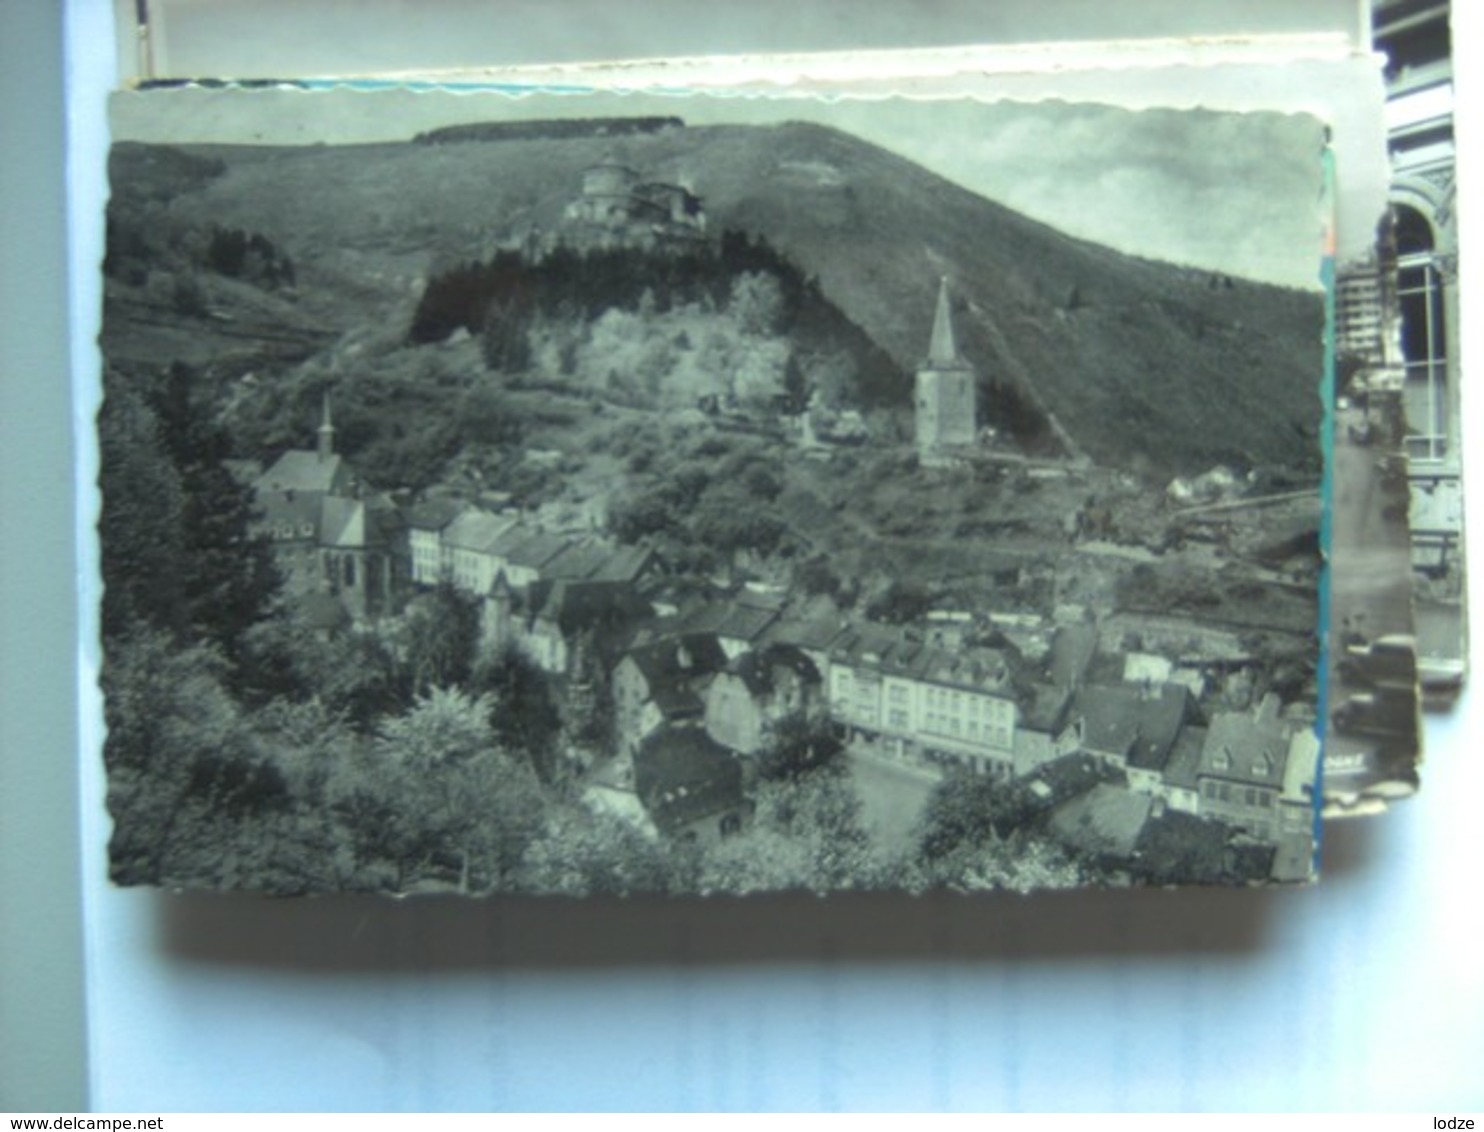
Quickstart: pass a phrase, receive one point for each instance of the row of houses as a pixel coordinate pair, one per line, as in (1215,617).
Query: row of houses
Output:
(975,708)
(450,540)
(332,535)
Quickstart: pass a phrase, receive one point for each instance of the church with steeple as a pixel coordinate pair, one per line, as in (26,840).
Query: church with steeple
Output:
(330,536)
(945,399)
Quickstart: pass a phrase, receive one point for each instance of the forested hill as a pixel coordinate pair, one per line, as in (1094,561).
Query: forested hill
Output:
(1138,362)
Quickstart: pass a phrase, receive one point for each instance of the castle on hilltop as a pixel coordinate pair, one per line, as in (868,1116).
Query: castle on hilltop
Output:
(618,208)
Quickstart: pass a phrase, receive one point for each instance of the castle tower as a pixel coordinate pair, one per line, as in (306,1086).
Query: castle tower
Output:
(325,444)
(945,400)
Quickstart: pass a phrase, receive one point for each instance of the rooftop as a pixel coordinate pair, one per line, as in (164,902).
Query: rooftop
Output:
(671,661)
(434,514)
(475,530)
(683,775)
(893,652)
(304,470)
(1106,819)
(758,668)
(1130,722)
(1249,747)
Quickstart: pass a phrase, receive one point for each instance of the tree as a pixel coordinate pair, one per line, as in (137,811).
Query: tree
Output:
(440,636)
(506,335)
(486,417)
(524,711)
(227,577)
(444,728)
(439,801)
(974,836)
(806,834)
(795,385)
(756,302)
(141,545)
(901,602)
(352,673)
(801,746)
(960,812)
(1022,862)
(583,853)
(188,788)
(815,576)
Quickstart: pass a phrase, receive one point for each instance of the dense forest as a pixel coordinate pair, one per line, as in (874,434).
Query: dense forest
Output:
(504,298)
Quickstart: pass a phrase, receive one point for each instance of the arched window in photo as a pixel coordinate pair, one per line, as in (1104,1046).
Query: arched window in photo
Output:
(1420,297)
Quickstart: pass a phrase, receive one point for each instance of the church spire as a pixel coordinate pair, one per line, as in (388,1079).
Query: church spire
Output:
(326,431)
(943,348)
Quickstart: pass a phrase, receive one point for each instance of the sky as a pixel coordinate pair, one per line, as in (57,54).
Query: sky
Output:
(1231,192)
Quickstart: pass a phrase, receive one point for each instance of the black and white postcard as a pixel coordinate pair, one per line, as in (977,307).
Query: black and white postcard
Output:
(611,494)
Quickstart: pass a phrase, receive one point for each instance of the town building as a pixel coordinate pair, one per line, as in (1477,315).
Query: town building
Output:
(1244,766)
(956,708)
(661,682)
(1043,731)
(1133,728)
(690,785)
(328,532)
(431,552)
(757,691)
(472,544)
(566,616)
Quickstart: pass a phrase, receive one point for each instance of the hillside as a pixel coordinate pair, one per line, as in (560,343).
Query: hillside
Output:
(1141,364)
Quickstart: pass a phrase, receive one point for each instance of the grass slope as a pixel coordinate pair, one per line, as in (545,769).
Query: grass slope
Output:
(1142,364)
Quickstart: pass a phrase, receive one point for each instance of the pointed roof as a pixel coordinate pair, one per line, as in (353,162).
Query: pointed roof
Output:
(1250,747)
(943,346)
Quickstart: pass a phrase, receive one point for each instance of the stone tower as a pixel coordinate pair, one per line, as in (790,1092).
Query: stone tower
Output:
(325,434)
(945,401)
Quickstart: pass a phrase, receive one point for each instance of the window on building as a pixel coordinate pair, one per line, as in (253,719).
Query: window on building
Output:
(1411,43)
(1420,296)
